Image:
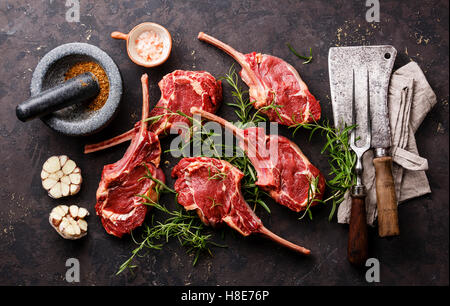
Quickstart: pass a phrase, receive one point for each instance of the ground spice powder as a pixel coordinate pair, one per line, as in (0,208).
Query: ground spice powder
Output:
(102,78)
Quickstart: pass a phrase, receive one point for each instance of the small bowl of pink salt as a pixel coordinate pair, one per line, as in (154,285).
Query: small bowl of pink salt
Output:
(148,44)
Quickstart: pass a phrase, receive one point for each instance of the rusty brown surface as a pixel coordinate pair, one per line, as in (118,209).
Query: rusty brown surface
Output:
(31,252)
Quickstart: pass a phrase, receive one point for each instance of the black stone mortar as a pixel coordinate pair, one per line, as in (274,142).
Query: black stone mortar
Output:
(77,120)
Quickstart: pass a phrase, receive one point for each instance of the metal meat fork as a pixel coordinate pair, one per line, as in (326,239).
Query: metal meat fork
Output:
(357,250)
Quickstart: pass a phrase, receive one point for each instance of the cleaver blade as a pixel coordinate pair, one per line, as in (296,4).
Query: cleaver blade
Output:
(378,61)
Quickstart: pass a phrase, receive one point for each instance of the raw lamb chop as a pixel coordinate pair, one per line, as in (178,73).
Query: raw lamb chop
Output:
(283,170)
(212,187)
(272,81)
(118,205)
(180,90)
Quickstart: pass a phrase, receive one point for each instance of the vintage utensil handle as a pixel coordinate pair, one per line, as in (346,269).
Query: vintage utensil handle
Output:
(119,35)
(357,249)
(73,91)
(386,198)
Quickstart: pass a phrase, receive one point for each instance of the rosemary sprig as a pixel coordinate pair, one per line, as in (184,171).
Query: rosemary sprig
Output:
(241,101)
(214,203)
(340,158)
(184,226)
(307,59)
(160,186)
(258,118)
(145,243)
(313,187)
(220,175)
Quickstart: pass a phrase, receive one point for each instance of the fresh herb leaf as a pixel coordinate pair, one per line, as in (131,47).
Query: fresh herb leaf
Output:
(312,189)
(241,100)
(340,158)
(219,175)
(184,226)
(307,59)
(214,203)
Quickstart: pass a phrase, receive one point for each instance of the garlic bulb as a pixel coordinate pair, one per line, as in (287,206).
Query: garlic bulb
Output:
(61,177)
(69,221)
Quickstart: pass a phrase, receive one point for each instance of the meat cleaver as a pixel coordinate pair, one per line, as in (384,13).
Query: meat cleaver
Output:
(378,61)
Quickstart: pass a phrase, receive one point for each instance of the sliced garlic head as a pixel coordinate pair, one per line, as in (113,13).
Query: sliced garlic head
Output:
(61,177)
(69,221)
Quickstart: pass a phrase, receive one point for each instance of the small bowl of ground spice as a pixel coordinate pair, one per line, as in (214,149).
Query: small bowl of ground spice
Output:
(68,61)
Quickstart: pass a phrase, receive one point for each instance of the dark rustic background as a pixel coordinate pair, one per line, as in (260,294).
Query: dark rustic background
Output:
(31,253)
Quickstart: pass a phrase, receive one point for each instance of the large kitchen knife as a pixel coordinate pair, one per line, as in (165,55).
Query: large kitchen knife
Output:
(379,61)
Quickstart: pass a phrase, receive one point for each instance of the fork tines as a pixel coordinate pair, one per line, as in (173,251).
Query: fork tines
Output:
(366,146)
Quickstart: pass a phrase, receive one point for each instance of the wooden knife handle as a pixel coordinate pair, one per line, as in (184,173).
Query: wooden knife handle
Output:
(357,250)
(386,198)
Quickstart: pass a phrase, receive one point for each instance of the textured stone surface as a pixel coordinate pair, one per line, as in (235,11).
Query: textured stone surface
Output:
(32,253)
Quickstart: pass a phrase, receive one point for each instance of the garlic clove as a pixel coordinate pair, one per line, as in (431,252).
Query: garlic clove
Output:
(82,212)
(83,225)
(75,178)
(77,229)
(74,189)
(72,222)
(65,180)
(44,174)
(65,190)
(64,223)
(65,208)
(55,191)
(63,159)
(55,218)
(59,174)
(73,209)
(54,176)
(52,164)
(69,166)
(69,230)
(48,183)
(59,211)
